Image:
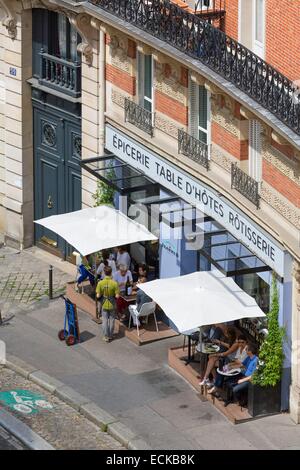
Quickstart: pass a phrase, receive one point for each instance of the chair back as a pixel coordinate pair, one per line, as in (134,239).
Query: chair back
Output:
(147,309)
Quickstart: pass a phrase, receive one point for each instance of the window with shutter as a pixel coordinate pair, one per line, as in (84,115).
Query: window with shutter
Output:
(145,81)
(255,159)
(193,109)
(199,112)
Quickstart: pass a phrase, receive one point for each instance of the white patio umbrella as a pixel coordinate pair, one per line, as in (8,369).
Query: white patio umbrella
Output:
(97,228)
(201,298)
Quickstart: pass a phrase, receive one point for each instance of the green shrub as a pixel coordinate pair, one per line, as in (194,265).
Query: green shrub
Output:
(105,193)
(271,356)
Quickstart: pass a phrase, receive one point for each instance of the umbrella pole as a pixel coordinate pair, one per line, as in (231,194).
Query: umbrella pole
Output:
(95,287)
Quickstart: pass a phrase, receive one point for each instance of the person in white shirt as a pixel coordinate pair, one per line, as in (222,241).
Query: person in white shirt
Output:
(121,277)
(123,258)
(107,261)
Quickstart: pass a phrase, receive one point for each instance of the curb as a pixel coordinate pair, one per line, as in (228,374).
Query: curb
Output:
(84,406)
(23,432)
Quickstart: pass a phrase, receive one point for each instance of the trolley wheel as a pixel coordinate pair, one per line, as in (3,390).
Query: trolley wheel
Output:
(62,335)
(70,340)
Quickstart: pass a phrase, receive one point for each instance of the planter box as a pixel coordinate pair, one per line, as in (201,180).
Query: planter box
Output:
(264,401)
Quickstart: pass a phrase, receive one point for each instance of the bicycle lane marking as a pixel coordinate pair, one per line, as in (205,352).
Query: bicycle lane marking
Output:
(24,401)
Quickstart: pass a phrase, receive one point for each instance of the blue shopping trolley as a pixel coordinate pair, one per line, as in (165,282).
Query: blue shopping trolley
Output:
(70,333)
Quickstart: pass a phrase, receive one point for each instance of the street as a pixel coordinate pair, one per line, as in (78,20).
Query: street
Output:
(9,442)
(134,384)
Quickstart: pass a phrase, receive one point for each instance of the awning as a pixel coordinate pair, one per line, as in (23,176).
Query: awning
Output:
(201,298)
(93,229)
(122,177)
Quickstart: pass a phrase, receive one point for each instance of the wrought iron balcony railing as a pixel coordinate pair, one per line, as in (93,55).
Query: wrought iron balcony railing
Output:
(230,59)
(193,148)
(139,116)
(208,9)
(60,74)
(245,184)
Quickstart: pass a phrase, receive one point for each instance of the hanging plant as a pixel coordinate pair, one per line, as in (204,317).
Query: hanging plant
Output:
(271,355)
(105,193)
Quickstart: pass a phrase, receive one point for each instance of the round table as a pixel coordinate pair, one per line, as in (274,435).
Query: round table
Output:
(205,351)
(228,374)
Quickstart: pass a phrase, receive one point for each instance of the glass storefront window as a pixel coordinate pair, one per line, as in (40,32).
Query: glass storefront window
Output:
(257,288)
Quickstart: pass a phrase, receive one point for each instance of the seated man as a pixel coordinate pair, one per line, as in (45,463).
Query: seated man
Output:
(141,299)
(121,277)
(241,382)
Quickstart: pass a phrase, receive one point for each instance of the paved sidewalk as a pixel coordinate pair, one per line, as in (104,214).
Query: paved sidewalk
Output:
(136,385)
(24,278)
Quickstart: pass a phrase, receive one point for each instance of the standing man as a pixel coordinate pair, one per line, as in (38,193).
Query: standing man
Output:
(123,257)
(108,291)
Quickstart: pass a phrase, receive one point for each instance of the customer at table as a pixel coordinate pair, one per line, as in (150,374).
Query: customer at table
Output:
(213,332)
(235,361)
(141,299)
(123,257)
(229,346)
(142,272)
(121,276)
(236,385)
(107,260)
(107,291)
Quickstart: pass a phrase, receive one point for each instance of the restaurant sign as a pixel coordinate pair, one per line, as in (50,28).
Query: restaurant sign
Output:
(197,194)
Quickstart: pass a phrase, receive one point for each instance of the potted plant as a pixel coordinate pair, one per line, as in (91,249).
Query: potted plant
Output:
(105,193)
(264,396)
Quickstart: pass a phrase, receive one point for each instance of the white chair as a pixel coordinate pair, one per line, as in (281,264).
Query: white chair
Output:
(146,310)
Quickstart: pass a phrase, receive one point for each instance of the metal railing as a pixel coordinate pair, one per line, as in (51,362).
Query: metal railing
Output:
(245,184)
(139,116)
(199,39)
(209,9)
(60,74)
(193,148)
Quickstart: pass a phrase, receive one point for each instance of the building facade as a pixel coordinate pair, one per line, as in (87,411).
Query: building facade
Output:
(200,104)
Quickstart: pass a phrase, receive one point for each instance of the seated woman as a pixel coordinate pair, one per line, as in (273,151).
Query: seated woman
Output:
(236,362)
(229,346)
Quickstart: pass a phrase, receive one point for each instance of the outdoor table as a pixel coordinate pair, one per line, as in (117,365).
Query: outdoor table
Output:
(235,372)
(204,349)
(129,298)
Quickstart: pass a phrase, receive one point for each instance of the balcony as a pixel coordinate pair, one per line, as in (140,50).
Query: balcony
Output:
(195,37)
(139,117)
(206,9)
(60,74)
(193,148)
(244,184)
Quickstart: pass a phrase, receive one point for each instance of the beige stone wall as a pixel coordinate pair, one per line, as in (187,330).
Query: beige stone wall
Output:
(16,162)
(295,387)
(90,117)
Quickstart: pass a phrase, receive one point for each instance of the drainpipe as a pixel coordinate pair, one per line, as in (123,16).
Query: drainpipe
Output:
(102,97)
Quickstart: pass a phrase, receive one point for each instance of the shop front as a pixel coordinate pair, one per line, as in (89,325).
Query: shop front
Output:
(198,230)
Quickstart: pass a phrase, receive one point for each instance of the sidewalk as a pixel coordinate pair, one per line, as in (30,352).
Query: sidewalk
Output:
(135,385)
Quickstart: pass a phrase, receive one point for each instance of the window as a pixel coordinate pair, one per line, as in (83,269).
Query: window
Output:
(258,26)
(255,161)
(199,113)
(62,38)
(145,81)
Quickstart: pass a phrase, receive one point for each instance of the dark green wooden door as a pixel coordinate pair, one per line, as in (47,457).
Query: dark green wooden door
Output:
(57,152)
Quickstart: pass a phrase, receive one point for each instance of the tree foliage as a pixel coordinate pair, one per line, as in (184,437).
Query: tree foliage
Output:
(105,193)
(271,354)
